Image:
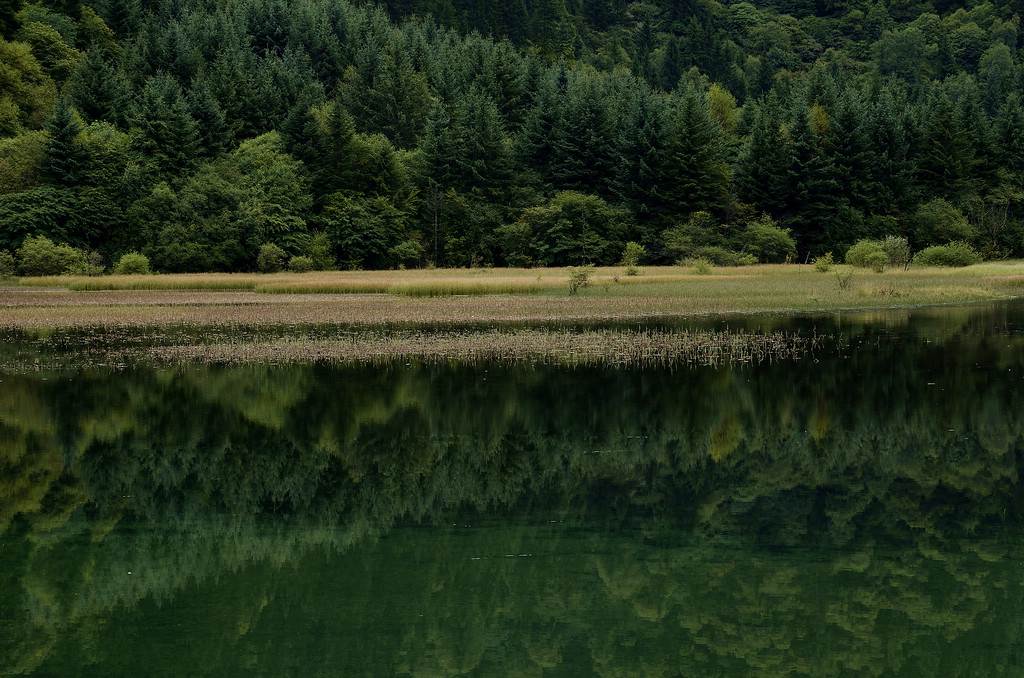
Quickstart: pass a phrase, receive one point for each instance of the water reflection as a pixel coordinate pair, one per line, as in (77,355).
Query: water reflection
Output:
(855,514)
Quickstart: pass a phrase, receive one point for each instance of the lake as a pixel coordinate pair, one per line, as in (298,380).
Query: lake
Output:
(854,510)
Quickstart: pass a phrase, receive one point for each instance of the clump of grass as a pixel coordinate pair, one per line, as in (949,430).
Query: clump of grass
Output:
(324,287)
(451,288)
(843,279)
(150,282)
(879,291)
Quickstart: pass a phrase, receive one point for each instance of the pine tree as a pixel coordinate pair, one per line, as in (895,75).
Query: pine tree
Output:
(1009,135)
(583,136)
(214,137)
(639,173)
(163,128)
(890,158)
(99,90)
(762,169)
(695,176)
(947,158)
(65,160)
(815,198)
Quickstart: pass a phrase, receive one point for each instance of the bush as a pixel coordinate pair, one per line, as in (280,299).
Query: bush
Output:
(876,261)
(701,266)
(719,256)
(632,254)
(131,263)
(579,277)
(956,254)
(823,264)
(85,263)
(768,243)
(407,253)
(270,259)
(300,264)
(898,250)
(7,265)
(937,221)
(864,254)
(38,255)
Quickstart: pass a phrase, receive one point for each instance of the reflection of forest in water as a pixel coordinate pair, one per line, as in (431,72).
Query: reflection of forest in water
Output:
(858,514)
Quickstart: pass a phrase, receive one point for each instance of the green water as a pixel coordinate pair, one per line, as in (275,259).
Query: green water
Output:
(857,512)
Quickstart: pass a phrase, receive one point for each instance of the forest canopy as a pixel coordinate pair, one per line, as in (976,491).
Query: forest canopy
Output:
(469,133)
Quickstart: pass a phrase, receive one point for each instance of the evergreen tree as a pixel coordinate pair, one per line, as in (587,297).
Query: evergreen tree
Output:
(99,90)
(947,158)
(163,129)
(65,160)
(1009,135)
(583,135)
(213,134)
(762,169)
(694,170)
(640,176)
(815,199)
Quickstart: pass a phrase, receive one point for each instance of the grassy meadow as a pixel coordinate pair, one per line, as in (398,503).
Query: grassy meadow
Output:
(477,314)
(446,296)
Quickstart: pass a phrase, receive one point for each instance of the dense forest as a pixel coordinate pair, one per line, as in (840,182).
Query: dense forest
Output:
(532,132)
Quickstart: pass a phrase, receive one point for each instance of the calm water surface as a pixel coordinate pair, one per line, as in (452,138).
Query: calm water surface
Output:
(854,513)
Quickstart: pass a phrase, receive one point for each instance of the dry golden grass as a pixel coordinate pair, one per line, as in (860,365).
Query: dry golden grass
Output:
(483,296)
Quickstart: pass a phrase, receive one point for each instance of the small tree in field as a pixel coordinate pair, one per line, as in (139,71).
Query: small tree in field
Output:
(631,256)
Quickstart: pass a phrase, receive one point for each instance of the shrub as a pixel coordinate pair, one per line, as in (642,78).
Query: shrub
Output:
(85,263)
(823,264)
(270,259)
(701,266)
(876,261)
(579,277)
(843,279)
(767,242)
(864,254)
(632,254)
(719,256)
(38,255)
(7,265)
(956,254)
(300,264)
(407,253)
(898,250)
(938,221)
(131,263)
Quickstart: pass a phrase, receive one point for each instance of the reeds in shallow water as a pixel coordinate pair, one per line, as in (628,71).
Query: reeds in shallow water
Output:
(627,348)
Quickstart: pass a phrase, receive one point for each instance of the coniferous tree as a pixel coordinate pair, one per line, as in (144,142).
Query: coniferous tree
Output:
(640,174)
(762,169)
(1009,135)
(694,170)
(815,198)
(582,137)
(947,158)
(163,129)
(65,160)
(214,136)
